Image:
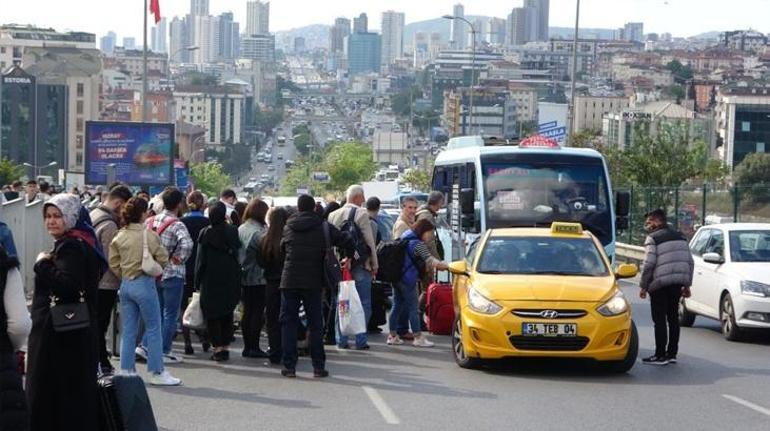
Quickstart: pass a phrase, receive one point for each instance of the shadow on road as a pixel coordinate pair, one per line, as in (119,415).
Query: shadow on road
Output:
(210,393)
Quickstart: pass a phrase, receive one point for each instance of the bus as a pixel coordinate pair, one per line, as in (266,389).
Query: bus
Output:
(494,186)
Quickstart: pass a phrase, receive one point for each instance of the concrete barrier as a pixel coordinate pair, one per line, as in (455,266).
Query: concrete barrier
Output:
(26,223)
(629,253)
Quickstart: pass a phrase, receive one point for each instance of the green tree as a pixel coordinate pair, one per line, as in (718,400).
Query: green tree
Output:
(401,103)
(10,172)
(752,175)
(349,163)
(681,72)
(209,178)
(418,179)
(266,121)
(586,138)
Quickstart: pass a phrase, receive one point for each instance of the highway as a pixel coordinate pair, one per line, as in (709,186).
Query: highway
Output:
(715,385)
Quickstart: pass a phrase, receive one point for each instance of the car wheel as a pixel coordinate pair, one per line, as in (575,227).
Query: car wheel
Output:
(686,318)
(730,329)
(633,351)
(458,348)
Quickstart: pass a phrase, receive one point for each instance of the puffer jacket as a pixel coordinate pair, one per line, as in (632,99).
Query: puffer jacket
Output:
(667,261)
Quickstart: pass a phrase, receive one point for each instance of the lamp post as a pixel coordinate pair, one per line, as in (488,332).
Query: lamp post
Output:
(473,64)
(171,58)
(574,74)
(37,168)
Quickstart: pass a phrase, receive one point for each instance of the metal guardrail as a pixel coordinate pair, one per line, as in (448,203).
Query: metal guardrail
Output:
(629,253)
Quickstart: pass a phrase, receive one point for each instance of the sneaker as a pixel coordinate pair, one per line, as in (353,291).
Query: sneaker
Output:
(422,341)
(394,340)
(141,354)
(408,336)
(170,358)
(289,373)
(364,347)
(655,360)
(343,347)
(671,359)
(320,374)
(164,379)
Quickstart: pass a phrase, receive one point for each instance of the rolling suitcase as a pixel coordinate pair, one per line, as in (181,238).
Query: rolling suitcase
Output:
(439,310)
(125,404)
(109,415)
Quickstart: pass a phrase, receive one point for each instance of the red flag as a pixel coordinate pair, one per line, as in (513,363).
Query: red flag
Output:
(155,9)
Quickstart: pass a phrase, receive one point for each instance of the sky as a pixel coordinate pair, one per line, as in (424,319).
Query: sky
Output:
(679,17)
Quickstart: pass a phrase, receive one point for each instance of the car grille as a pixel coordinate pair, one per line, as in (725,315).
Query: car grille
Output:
(536,313)
(549,343)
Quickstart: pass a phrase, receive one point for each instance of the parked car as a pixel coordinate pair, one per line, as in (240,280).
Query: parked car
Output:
(731,282)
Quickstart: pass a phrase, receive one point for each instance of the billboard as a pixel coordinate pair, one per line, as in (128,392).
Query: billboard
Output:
(141,152)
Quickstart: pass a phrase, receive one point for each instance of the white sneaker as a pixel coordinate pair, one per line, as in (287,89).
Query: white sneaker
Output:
(170,358)
(141,353)
(394,340)
(422,341)
(164,379)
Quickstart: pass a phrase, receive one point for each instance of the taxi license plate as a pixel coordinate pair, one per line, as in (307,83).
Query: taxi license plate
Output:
(549,329)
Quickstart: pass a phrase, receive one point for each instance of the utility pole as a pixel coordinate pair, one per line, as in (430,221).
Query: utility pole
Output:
(571,130)
(145,85)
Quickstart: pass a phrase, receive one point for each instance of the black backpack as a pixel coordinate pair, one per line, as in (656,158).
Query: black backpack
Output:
(350,227)
(391,256)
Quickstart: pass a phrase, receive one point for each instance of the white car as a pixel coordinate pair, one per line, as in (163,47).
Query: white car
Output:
(731,282)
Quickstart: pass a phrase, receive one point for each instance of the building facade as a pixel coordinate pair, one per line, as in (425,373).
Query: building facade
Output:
(159,37)
(493,113)
(364,53)
(459,33)
(392,37)
(743,120)
(337,35)
(16,39)
(542,8)
(218,109)
(257,17)
(361,24)
(590,110)
(258,47)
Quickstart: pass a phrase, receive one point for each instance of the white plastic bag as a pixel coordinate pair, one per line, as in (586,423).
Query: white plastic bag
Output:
(349,310)
(193,315)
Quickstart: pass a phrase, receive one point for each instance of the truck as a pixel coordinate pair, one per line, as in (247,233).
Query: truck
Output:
(387,191)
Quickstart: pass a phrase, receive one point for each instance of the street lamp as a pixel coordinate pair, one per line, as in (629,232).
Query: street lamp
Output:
(39,168)
(171,58)
(574,74)
(473,63)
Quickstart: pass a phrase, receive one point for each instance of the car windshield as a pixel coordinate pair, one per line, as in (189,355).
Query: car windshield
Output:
(542,255)
(534,194)
(750,246)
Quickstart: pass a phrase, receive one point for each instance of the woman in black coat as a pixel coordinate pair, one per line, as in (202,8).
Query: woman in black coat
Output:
(270,258)
(61,368)
(218,276)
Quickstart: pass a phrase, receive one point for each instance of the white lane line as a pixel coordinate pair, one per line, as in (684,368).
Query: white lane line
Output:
(748,404)
(385,411)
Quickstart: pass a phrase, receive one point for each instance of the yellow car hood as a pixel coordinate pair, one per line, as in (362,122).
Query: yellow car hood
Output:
(544,287)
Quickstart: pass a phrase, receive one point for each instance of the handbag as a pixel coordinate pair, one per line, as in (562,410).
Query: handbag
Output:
(193,315)
(67,317)
(352,320)
(149,265)
(332,268)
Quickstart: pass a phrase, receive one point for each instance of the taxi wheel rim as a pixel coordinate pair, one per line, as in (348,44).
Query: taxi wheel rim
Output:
(727,314)
(458,341)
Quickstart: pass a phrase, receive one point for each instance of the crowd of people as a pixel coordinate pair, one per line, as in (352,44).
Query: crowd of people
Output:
(147,256)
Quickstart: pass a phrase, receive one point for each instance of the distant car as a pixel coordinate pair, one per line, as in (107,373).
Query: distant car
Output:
(270,168)
(280,156)
(731,282)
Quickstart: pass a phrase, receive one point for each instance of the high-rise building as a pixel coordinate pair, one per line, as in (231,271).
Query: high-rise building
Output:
(541,22)
(229,37)
(634,32)
(459,36)
(206,38)
(364,53)
(497,27)
(199,7)
(361,24)
(338,33)
(435,45)
(260,47)
(522,26)
(257,17)
(421,46)
(178,41)
(392,36)
(107,43)
(16,39)
(160,37)
(129,43)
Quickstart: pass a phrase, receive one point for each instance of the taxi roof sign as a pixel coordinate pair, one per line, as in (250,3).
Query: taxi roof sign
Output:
(566,228)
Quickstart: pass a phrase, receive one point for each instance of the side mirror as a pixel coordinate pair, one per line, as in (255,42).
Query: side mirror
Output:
(467,199)
(459,267)
(621,223)
(622,204)
(627,270)
(714,258)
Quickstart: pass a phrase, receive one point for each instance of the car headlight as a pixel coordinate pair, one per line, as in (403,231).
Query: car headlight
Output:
(754,288)
(480,304)
(616,305)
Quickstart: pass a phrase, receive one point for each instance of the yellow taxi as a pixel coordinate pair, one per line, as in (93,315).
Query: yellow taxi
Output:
(540,292)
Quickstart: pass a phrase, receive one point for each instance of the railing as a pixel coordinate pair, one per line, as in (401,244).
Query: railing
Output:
(26,223)
(629,253)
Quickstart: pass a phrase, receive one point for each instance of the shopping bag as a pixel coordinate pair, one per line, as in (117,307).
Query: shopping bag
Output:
(349,309)
(193,315)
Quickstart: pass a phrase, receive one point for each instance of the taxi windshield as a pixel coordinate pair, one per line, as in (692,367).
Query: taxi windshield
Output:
(542,255)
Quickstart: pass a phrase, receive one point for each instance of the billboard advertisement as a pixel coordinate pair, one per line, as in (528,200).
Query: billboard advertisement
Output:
(141,152)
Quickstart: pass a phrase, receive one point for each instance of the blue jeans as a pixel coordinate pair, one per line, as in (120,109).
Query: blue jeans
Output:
(139,300)
(170,293)
(405,304)
(363,279)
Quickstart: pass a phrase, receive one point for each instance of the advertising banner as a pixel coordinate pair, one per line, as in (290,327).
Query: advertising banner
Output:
(141,152)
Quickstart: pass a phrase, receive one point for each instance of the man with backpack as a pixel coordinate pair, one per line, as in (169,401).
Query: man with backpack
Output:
(178,243)
(354,220)
(380,290)
(106,222)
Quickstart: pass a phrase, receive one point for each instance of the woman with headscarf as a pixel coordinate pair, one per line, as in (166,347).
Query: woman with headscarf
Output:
(218,277)
(62,363)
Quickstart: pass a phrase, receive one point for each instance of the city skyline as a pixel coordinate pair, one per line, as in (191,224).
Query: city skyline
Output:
(658,16)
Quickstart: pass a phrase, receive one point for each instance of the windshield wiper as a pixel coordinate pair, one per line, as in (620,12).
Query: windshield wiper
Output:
(491,272)
(555,273)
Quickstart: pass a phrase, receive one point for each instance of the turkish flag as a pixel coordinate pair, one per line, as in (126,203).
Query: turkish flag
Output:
(155,9)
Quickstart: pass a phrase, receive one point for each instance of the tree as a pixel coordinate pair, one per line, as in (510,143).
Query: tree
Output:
(401,103)
(418,179)
(10,172)
(266,121)
(209,178)
(753,176)
(349,163)
(681,72)
(586,138)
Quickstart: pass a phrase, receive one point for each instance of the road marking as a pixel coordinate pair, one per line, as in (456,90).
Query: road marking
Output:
(385,411)
(748,404)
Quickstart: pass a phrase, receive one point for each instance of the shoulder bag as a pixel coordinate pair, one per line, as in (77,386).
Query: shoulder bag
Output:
(149,265)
